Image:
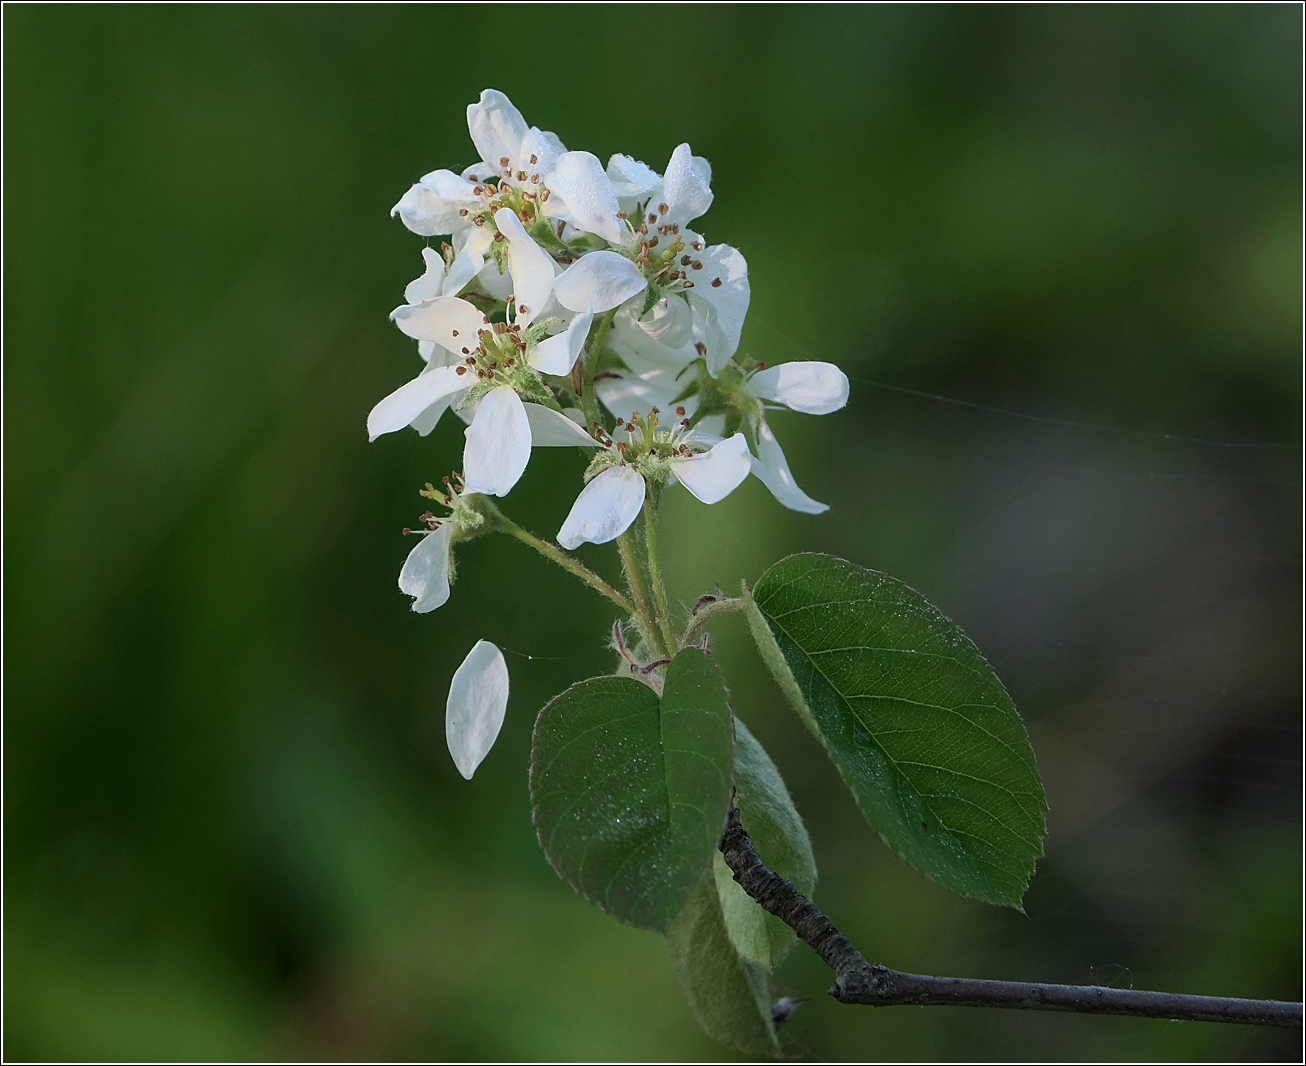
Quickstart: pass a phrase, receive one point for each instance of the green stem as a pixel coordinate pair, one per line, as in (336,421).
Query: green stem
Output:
(655,572)
(589,402)
(564,560)
(706,613)
(643,609)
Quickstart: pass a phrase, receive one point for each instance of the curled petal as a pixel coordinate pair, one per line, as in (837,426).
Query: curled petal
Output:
(580,180)
(531,266)
(687,186)
(720,294)
(552,429)
(631,179)
(432,205)
(640,388)
(498,444)
(544,146)
(478,698)
(407,402)
(558,354)
(425,575)
(604,509)
(598,282)
(716,473)
(772,469)
(470,259)
(813,387)
(431,283)
(497,128)
(450,322)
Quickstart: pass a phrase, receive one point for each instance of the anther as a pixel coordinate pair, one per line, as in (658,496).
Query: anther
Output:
(522,309)
(761,365)
(544,195)
(696,245)
(689,284)
(653,243)
(698,265)
(534,159)
(498,236)
(662,210)
(701,348)
(521,175)
(454,332)
(471,361)
(685,260)
(680,410)
(462,212)
(503,160)
(716,283)
(652,217)
(535,179)
(621,214)
(478,190)
(467,351)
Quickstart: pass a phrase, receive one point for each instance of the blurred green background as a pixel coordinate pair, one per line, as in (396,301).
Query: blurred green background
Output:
(231,826)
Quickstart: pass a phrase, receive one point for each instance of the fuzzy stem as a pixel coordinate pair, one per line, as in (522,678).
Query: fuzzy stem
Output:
(588,400)
(704,614)
(643,611)
(564,560)
(655,572)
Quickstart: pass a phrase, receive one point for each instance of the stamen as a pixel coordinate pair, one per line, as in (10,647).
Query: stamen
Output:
(716,283)
(534,159)
(701,348)
(503,160)
(662,210)
(680,410)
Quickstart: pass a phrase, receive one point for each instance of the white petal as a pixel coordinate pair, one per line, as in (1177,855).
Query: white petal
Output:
(722,306)
(432,205)
(407,402)
(558,354)
(551,429)
(630,392)
(630,178)
(450,322)
(478,698)
(715,474)
(772,469)
(497,128)
(427,420)
(813,387)
(498,444)
(631,338)
(544,146)
(598,282)
(580,180)
(431,283)
(687,186)
(469,260)
(425,575)
(669,321)
(604,509)
(531,266)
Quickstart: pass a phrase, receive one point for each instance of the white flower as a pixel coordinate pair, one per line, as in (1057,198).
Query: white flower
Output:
(656,247)
(465,206)
(499,360)
(611,501)
(478,699)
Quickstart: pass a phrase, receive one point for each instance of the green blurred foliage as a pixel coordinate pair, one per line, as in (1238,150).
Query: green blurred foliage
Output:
(231,828)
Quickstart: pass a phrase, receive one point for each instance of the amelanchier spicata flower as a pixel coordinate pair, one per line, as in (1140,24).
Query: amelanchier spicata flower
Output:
(653,253)
(478,698)
(626,471)
(738,396)
(429,569)
(494,367)
(515,161)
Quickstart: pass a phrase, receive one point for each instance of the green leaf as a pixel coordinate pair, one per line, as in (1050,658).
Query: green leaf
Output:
(778,834)
(728,994)
(917,722)
(630,793)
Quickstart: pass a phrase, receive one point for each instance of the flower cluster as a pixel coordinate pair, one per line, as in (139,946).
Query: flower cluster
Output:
(563,284)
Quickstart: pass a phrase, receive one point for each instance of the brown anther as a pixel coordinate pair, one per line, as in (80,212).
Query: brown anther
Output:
(500,328)
(662,209)
(689,284)
(680,410)
(408,532)
(534,159)
(653,410)
(485,319)
(698,265)
(535,179)
(664,230)
(503,160)
(521,175)
(641,228)
(498,236)
(467,351)
(716,283)
(560,224)
(462,212)
(524,215)
(675,227)
(652,217)
(454,332)
(478,190)
(446,249)
(544,195)
(621,446)
(653,243)
(507,362)
(470,360)
(478,220)
(696,245)
(522,309)
(761,365)
(701,348)
(621,214)
(685,422)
